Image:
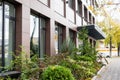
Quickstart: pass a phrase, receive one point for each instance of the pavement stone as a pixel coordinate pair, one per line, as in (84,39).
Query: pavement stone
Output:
(111,71)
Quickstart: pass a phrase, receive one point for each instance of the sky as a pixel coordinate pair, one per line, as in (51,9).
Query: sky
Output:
(112,10)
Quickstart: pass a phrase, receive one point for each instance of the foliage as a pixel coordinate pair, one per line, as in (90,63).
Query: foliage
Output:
(110,23)
(82,58)
(57,73)
(56,59)
(68,46)
(80,71)
(82,64)
(29,67)
(86,48)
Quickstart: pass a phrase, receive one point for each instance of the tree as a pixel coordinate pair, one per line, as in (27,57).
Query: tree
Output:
(109,24)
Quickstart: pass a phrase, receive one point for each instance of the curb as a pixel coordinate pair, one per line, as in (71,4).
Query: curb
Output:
(94,78)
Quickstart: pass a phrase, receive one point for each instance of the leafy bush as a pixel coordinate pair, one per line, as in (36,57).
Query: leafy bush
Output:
(56,59)
(57,73)
(82,58)
(68,46)
(86,48)
(29,67)
(79,71)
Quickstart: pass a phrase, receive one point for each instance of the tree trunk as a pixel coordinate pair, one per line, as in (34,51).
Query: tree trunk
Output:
(118,49)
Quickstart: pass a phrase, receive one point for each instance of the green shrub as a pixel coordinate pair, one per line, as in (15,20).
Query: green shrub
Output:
(80,69)
(57,73)
(68,46)
(76,69)
(82,58)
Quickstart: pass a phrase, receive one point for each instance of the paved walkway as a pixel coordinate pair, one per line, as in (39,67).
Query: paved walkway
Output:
(111,71)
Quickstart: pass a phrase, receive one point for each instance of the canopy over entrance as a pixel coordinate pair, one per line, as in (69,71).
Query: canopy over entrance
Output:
(93,31)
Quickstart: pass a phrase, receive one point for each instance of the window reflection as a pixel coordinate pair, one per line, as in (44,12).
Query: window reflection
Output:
(8,40)
(6,33)
(0,35)
(37,35)
(72,35)
(34,47)
(42,37)
(58,38)
(9,32)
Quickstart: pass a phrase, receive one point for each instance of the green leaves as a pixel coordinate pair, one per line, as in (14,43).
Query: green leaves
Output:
(57,73)
(68,46)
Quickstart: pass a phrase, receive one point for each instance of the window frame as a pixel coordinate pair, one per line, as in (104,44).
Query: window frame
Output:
(3,3)
(39,34)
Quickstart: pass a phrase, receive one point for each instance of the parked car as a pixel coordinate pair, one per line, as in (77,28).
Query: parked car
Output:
(107,55)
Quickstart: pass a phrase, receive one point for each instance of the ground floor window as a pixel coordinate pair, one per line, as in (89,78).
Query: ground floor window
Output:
(37,35)
(72,35)
(58,37)
(7,32)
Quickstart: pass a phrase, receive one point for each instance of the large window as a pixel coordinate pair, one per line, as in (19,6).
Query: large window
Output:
(58,37)
(37,35)
(7,32)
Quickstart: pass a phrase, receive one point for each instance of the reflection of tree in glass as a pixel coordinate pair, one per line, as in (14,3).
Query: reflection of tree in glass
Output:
(7,10)
(33,47)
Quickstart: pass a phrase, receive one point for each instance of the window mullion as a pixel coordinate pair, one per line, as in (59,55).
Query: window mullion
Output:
(39,36)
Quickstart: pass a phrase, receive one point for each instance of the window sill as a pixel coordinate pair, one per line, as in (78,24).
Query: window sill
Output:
(12,74)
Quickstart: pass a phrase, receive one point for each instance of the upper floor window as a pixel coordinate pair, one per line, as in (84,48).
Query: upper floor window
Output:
(85,14)
(90,19)
(80,8)
(37,35)
(71,4)
(7,33)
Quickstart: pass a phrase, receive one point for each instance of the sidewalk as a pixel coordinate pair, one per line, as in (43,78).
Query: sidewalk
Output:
(111,71)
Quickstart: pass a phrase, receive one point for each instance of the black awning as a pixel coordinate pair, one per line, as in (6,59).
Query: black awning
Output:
(93,31)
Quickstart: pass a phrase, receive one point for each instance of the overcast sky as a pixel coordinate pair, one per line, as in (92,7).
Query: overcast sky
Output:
(112,10)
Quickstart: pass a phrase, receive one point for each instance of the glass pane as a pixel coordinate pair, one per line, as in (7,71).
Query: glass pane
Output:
(71,33)
(9,10)
(42,37)
(0,35)
(60,37)
(71,4)
(9,30)
(56,39)
(34,37)
(9,40)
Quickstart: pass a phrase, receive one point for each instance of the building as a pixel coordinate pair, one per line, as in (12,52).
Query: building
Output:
(40,26)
